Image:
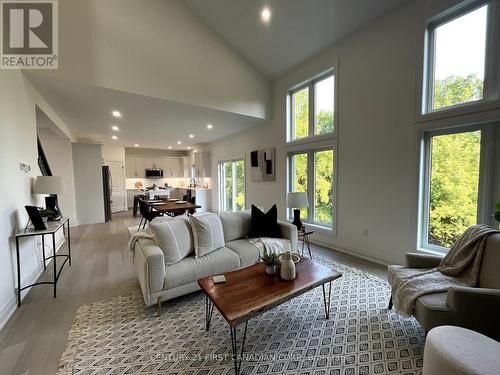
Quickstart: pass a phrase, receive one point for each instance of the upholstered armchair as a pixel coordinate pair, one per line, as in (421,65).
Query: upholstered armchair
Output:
(476,308)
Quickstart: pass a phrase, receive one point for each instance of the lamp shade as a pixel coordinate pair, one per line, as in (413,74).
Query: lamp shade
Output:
(49,185)
(297,200)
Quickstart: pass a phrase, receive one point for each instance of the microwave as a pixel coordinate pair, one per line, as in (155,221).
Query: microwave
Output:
(154,173)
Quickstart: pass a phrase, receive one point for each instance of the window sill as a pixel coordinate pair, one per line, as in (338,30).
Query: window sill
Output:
(331,231)
(459,110)
(432,251)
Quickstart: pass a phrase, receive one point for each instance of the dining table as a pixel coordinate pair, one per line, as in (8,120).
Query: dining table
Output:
(168,206)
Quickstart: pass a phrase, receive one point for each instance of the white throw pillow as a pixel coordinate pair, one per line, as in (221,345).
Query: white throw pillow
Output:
(208,234)
(174,238)
(235,225)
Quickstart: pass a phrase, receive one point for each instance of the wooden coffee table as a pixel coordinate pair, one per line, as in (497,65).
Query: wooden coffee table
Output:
(249,292)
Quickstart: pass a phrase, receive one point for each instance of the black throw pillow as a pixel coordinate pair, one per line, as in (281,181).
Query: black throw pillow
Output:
(264,224)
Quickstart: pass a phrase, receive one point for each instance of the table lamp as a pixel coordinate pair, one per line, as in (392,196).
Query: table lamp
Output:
(297,201)
(51,185)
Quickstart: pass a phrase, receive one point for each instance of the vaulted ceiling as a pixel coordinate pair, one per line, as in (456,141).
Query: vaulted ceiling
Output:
(171,67)
(298,28)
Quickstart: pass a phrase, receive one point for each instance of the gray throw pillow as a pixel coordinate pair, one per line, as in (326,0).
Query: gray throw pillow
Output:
(236,225)
(173,237)
(208,234)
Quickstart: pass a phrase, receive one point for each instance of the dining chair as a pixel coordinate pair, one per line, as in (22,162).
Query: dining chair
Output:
(147,214)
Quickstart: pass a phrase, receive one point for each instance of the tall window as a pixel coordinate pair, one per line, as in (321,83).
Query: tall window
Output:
(457,183)
(311,148)
(232,185)
(312,108)
(457,58)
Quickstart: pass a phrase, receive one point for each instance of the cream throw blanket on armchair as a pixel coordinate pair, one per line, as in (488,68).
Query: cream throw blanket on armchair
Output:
(460,266)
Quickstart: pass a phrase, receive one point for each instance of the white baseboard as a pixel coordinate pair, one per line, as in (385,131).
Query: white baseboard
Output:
(352,252)
(9,307)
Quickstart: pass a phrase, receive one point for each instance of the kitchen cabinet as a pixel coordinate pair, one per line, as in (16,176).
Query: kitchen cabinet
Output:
(202,167)
(130,170)
(135,166)
(186,167)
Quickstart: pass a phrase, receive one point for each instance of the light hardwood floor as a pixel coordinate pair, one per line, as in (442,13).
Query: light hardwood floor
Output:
(35,336)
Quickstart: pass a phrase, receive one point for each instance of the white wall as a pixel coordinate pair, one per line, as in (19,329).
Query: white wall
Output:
(378,73)
(113,153)
(18,100)
(89,195)
(161,50)
(59,156)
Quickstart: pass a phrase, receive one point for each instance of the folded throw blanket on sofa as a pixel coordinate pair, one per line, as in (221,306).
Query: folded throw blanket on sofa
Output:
(134,237)
(268,245)
(460,266)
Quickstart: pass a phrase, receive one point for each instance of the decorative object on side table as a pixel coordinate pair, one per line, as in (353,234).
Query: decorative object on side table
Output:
(47,214)
(35,218)
(297,201)
(52,185)
(271,261)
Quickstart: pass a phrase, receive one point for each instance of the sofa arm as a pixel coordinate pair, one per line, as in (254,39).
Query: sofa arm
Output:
(417,260)
(476,308)
(289,231)
(153,268)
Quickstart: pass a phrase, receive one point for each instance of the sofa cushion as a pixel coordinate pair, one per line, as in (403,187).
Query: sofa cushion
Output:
(264,224)
(191,269)
(208,234)
(248,253)
(489,277)
(236,225)
(431,310)
(174,238)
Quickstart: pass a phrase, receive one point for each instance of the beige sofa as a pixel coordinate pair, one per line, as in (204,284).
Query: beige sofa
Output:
(160,282)
(474,308)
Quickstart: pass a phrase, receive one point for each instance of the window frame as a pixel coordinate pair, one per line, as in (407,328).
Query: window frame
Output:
(485,183)
(221,180)
(311,186)
(310,84)
(491,88)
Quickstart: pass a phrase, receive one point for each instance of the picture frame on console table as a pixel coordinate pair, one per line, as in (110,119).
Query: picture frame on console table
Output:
(35,217)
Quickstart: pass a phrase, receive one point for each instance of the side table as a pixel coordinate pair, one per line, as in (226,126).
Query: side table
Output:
(52,228)
(303,235)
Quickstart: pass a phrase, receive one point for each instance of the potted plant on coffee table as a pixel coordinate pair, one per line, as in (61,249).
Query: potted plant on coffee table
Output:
(271,261)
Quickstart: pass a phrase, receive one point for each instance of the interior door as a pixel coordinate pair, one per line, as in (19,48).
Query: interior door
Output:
(118,196)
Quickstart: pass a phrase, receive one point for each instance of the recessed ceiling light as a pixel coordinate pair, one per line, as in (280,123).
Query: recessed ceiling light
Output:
(136,145)
(191,135)
(265,14)
(114,137)
(169,147)
(179,142)
(189,148)
(210,126)
(115,128)
(116,114)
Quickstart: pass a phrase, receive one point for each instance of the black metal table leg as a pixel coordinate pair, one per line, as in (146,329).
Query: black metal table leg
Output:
(18,273)
(303,243)
(209,309)
(43,252)
(327,298)
(237,357)
(308,246)
(55,263)
(69,244)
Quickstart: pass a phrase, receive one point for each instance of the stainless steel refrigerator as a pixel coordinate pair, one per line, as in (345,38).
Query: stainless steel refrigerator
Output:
(107,184)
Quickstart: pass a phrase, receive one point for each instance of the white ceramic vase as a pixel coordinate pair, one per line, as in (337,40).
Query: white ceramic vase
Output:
(287,266)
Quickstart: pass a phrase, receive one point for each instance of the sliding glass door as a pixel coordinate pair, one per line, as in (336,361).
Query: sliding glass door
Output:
(232,185)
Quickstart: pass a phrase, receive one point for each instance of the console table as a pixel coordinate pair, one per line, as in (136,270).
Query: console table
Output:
(52,228)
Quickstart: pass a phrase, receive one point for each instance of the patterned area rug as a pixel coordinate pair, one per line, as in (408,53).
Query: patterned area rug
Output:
(123,336)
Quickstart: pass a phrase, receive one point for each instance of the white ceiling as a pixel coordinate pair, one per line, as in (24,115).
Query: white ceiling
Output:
(150,122)
(298,29)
